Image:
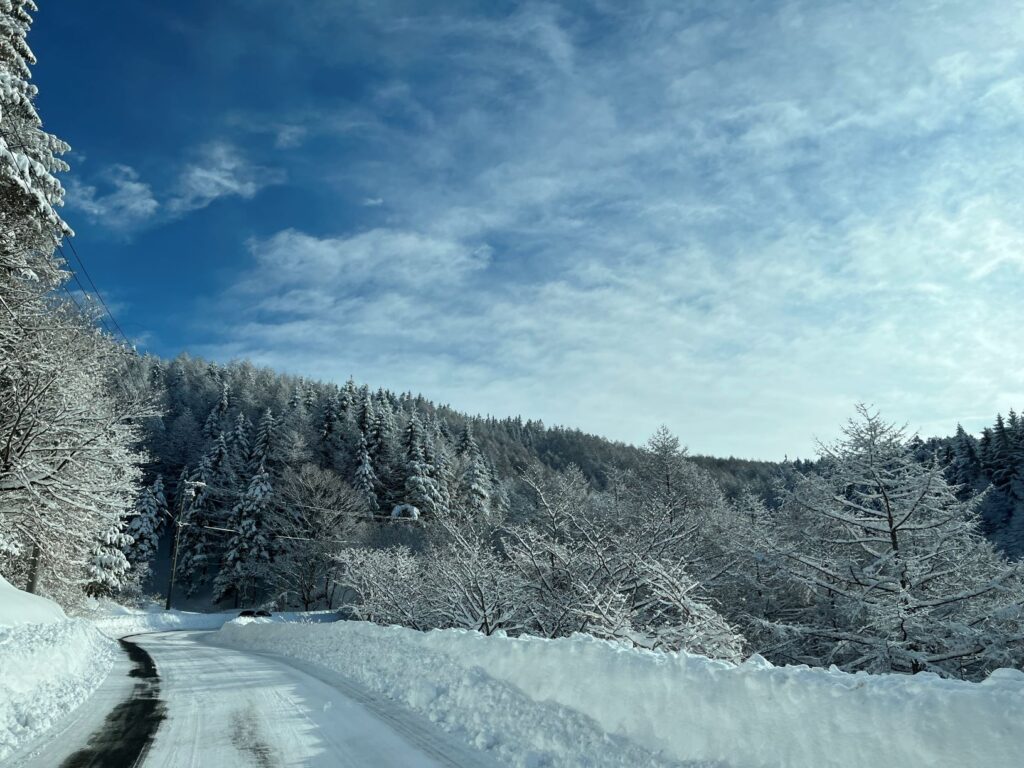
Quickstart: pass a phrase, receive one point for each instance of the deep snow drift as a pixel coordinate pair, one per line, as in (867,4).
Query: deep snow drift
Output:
(49,665)
(17,607)
(686,707)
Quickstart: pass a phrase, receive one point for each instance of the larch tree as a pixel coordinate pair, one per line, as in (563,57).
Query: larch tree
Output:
(318,515)
(898,576)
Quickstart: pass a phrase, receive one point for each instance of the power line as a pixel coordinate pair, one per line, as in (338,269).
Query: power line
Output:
(229,492)
(79,306)
(186,524)
(95,290)
(83,289)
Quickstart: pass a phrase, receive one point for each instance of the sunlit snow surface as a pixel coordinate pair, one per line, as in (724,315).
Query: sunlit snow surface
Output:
(49,665)
(18,607)
(290,691)
(543,702)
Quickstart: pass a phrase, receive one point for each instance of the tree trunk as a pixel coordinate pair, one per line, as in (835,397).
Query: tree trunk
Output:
(35,568)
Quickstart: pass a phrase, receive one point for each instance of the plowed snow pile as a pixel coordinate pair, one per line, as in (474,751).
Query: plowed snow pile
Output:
(679,706)
(49,665)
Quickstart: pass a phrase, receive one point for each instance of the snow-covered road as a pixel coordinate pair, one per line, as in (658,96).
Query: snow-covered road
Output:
(221,707)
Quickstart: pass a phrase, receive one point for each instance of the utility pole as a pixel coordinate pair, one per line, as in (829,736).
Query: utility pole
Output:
(188,495)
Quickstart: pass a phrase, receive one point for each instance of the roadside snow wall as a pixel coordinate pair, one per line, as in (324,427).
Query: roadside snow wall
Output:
(46,670)
(117,621)
(684,707)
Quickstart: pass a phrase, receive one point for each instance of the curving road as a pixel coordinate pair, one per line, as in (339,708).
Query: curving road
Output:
(178,702)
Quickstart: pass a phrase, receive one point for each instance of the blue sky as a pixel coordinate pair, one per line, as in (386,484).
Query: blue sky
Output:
(735,218)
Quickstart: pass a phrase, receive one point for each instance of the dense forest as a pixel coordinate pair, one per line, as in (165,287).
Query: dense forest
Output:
(258,488)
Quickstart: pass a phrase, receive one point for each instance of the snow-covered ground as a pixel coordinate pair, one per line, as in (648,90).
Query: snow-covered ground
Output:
(118,621)
(49,665)
(17,607)
(529,701)
(232,709)
(296,688)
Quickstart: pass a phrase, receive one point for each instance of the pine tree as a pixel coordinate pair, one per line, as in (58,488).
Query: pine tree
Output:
(239,445)
(264,449)
(248,550)
(145,527)
(366,479)
(108,568)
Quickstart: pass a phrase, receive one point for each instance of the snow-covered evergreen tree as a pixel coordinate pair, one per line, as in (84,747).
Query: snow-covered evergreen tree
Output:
(145,526)
(421,489)
(898,575)
(247,555)
(475,486)
(108,567)
(198,544)
(366,482)
(264,449)
(240,446)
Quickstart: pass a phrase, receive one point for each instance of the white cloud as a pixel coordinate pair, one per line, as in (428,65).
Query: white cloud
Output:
(220,170)
(120,201)
(125,204)
(736,222)
(381,257)
(288,136)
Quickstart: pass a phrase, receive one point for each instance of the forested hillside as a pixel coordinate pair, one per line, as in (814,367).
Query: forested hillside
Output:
(221,423)
(257,488)
(990,467)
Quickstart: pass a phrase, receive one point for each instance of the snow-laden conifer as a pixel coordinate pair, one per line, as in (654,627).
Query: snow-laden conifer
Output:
(148,521)
(898,576)
(247,554)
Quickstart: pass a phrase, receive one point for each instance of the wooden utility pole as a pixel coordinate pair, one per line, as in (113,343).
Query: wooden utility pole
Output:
(188,494)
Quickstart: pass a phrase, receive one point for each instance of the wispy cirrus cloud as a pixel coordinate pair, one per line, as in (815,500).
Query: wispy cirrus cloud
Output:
(735,220)
(119,200)
(220,170)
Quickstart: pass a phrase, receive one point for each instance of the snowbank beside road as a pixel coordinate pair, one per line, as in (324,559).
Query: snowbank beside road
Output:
(117,621)
(685,707)
(17,607)
(46,671)
(485,713)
